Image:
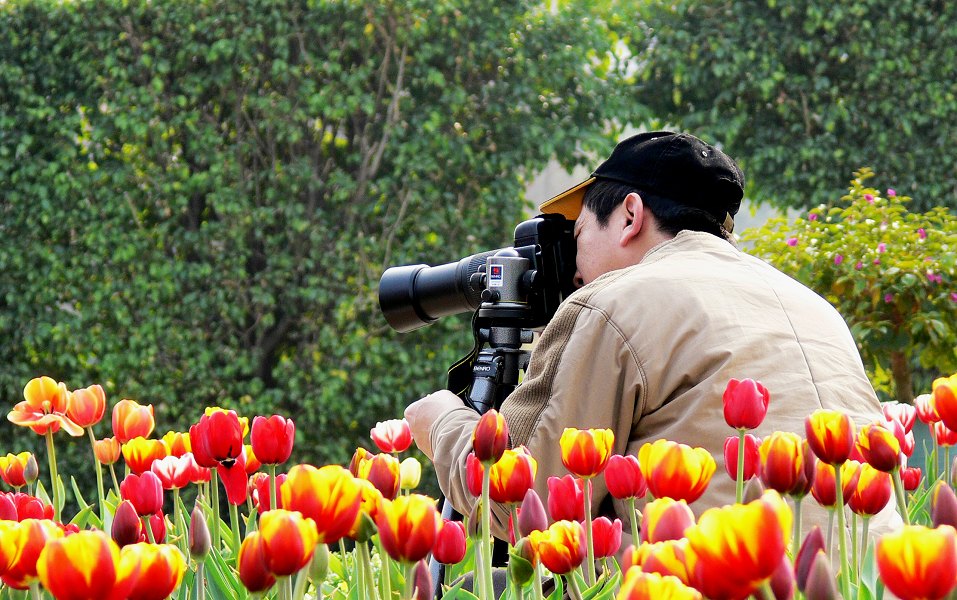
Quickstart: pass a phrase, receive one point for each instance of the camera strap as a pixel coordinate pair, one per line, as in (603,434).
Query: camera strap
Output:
(460,373)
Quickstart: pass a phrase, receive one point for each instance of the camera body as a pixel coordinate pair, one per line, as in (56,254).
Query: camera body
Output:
(519,286)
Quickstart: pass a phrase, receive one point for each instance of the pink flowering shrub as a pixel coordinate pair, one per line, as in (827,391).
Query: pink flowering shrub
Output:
(889,272)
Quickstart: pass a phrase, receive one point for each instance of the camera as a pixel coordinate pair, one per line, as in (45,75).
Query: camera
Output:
(519,286)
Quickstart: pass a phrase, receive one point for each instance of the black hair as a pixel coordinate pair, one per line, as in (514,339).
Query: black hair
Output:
(603,197)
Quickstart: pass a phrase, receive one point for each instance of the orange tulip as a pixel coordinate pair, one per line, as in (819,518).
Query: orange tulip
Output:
(944,398)
(288,540)
(872,491)
(329,495)
(879,447)
(585,452)
(33,538)
(668,557)
(665,519)
(140,453)
(44,408)
(490,438)
(641,585)
(745,403)
(512,476)
(392,436)
(561,547)
(17,470)
(107,450)
(87,406)
(162,567)
(131,420)
(735,548)
(408,527)
(787,463)
(918,562)
(830,434)
(251,564)
(676,470)
(85,565)
(177,442)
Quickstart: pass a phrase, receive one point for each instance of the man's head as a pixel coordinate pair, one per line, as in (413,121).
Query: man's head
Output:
(686,183)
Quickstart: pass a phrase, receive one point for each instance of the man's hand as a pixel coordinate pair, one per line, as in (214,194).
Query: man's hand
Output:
(422,414)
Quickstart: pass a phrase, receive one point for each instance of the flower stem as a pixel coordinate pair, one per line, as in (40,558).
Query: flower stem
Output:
(796,528)
(573,589)
(854,558)
(149,530)
(739,483)
(180,523)
(234,524)
(214,493)
(99,475)
(899,495)
(199,580)
(116,482)
(864,543)
(634,517)
(537,582)
(272,487)
(410,580)
(841,533)
(54,476)
(589,538)
(386,573)
(486,536)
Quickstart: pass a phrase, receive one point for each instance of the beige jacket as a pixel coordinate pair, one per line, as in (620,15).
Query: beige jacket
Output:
(647,351)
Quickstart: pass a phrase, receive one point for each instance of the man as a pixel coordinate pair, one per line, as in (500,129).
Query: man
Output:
(669,310)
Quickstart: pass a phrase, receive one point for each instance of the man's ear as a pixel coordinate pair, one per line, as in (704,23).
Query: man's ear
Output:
(634,209)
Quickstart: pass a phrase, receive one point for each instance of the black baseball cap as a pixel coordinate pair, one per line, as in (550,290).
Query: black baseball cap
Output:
(675,166)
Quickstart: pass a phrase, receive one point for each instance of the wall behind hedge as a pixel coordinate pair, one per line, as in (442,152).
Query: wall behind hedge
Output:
(198,198)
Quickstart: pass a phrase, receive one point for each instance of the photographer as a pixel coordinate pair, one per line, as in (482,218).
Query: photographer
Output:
(668,311)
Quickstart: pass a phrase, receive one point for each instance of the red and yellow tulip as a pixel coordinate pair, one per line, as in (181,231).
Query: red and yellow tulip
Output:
(823,489)
(665,519)
(512,476)
(44,407)
(328,495)
(830,434)
(735,548)
(641,585)
(86,565)
(34,535)
(17,470)
(251,564)
(408,527)
(132,419)
(745,403)
(676,470)
(944,397)
(10,532)
(787,464)
(668,557)
(177,442)
(585,452)
(272,438)
(918,562)
(561,547)
(490,438)
(139,453)
(879,447)
(288,540)
(161,567)
(872,491)
(87,405)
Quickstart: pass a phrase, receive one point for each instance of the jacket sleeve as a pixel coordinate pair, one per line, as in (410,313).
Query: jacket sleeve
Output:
(583,374)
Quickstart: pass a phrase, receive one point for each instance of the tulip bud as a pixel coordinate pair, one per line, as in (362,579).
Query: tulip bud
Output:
(475,520)
(410,473)
(531,514)
(199,540)
(782,580)
(752,456)
(522,560)
(753,490)
(943,506)
(319,566)
(490,437)
(910,477)
(450,543)
(422,580)
(813,544)
(820,581)
(127,528)
(31,471)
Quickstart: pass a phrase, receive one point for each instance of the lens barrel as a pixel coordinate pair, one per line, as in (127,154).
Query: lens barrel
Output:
(412,296)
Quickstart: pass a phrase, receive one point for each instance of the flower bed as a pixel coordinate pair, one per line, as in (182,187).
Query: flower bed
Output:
(362,532)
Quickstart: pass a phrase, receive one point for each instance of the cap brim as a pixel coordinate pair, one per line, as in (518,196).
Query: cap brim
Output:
(568,203)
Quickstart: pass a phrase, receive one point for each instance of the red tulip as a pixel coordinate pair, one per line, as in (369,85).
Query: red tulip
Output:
(87,406)
(606,535)
(623,477)
(259,484)
(879,447)
(449,546)
(144,491)
(676,470)
(408,527)
(830,434)
(235,480)
(566,498)
(490,437)
(910,477)
(217,438)
(561,547)
(585,452)
(474,472)
(745,403)
(272,439)
(131,420)
(918,562)
(752,458)
(127,527)
(665,519)
(392,436)
(251,564)
(871,492)
(8,512)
